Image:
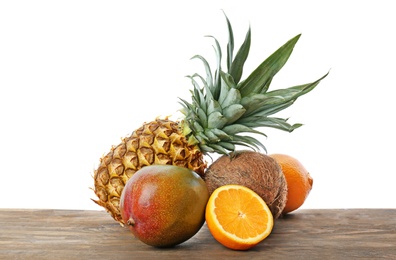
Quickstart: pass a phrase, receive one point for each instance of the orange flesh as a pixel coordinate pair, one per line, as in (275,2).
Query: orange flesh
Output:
(243,216)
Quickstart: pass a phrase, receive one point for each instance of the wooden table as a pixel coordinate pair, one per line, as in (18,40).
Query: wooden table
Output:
(304,234)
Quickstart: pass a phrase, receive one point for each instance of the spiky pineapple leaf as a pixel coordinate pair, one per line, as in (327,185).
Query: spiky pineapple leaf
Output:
(225,108)
(213,106)
(233,97)
(211,136)
(214,89)
(248,141)
(216,120)
(206,149)
(209,77)
(235,129)
(227,80)
(273,109)
(221,134)
(230,45)
(218,148)
(235,66)
(276,100)
(258,81)
(198,95)
(236,69)
(273,122)
(226,145)
(224,91)
(233,112)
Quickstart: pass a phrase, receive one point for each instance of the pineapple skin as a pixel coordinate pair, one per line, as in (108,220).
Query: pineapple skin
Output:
(158,142)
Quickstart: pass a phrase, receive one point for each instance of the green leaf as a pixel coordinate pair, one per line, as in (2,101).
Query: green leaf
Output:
(233,97)
(264,105)
(277,123)
(224,89)
(248,141)
(305,88)
(239,128)
(208,91)
(236,69)
(202,117)
(218,148)
(221,134)
(228,80)
(214,89)
(211,136)
(257,102)
(192,140)
(209,78)
(198,95)
(259,80)
(273,109)
(233,112)
(276,100)
(198,127)
(216,120)
(223,107)
(213,106)
(186,105)
(230,45)
(201,137)
(226,145)
(206,149)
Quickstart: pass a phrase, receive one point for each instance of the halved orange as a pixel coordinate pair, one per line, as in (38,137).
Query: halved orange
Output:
(238,217)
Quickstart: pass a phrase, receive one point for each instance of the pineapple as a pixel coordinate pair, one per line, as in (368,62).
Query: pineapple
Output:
(225,112)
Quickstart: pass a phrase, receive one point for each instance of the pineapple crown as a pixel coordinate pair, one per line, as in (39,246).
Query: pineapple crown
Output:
(226,112)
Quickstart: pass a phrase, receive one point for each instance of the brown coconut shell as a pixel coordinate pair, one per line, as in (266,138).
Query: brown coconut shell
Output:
(254,170)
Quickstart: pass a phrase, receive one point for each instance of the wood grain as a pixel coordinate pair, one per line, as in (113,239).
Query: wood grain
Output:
(305,234)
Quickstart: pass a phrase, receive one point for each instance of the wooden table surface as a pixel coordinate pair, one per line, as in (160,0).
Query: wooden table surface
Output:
(304,234)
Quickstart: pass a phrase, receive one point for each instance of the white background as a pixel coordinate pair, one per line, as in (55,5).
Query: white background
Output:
(77,76)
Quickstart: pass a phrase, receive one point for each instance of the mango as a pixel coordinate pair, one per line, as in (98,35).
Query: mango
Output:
(164,205)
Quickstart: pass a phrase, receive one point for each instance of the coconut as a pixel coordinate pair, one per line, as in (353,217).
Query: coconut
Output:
(254,170)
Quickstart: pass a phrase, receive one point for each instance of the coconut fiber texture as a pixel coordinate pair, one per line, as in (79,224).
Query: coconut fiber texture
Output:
(254,170)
